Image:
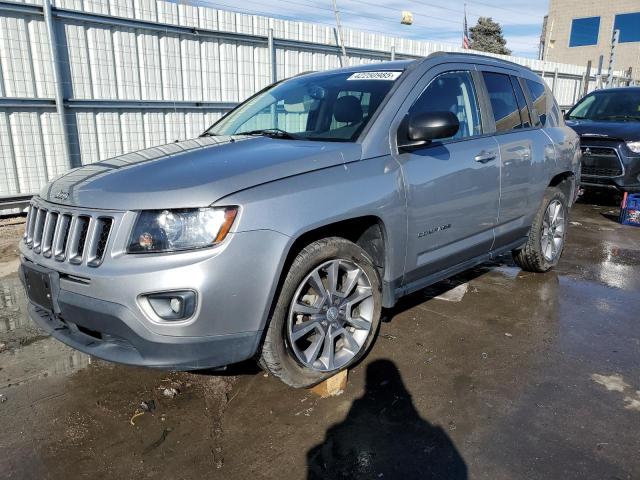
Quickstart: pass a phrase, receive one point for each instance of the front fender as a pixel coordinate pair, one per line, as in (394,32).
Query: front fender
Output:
(297,205)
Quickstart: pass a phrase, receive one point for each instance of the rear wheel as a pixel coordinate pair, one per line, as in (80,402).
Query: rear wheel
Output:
(326,316)
(546,235)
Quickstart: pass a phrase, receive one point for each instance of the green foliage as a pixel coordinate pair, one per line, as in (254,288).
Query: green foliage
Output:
(486,36)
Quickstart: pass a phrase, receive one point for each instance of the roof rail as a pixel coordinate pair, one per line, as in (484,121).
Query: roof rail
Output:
(477,56)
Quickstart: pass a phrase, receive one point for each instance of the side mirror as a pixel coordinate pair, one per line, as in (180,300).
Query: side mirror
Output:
(421,128)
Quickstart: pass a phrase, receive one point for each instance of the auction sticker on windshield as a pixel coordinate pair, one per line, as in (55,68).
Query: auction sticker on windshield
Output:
(375,76)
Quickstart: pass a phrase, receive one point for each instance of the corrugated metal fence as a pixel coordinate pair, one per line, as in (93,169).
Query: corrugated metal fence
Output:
(129,74)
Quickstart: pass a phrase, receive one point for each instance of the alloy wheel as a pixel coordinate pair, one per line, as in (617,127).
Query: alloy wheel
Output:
(331,315)
(553,230)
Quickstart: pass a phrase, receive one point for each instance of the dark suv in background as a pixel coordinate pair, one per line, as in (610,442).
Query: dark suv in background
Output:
(608,122)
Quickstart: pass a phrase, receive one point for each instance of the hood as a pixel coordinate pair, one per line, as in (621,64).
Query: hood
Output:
(627,131)
(193,173)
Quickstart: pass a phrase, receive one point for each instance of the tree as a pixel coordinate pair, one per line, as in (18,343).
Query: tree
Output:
(486,36)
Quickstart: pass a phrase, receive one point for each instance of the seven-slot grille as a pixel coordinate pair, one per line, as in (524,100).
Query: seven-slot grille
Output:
(67,237)
(601,162)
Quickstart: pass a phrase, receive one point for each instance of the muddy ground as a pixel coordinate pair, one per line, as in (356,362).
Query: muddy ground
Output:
(496,374)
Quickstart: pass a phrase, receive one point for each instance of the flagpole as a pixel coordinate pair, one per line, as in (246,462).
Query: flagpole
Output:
(464,26)
(466,43)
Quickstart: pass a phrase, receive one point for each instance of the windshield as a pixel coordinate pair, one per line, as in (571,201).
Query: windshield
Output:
(614,105)
(331,106)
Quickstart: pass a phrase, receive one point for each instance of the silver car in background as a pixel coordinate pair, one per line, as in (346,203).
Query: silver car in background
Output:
(285,228)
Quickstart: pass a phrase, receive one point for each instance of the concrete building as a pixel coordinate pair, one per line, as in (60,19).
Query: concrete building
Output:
(576,31)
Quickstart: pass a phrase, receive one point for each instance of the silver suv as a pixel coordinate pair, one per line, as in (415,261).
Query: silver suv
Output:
(284,229)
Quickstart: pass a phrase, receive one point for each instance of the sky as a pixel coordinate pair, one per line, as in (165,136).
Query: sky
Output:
(435,20)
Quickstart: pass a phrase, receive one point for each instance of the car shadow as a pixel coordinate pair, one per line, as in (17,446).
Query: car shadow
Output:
(604,198)
(437,289)
(245,368)
(383,436)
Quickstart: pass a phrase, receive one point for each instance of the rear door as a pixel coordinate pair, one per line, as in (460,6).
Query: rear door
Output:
(522,153)
(452,184)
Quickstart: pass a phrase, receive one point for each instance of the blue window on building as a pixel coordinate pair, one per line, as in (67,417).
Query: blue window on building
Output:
(629,26)
(584,31)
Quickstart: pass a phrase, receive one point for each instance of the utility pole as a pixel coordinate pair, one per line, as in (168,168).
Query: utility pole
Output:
(340,39)
(57,75)
(612,56)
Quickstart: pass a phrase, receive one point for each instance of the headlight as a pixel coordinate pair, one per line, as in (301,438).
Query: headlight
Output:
(185,229)
(634,146)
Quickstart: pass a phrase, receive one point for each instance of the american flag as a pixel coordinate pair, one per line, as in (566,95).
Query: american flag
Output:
(465,34)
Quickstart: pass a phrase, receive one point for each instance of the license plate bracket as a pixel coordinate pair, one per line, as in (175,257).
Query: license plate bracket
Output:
(39,286)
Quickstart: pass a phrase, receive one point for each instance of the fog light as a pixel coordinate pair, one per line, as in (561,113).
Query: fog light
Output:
(173,305)
(176,305)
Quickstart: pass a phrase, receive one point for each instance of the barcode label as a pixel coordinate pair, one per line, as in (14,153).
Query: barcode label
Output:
(375,76)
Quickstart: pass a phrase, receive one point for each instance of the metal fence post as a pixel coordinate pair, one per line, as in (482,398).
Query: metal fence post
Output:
(587,78)
(57,75)
(612,57)
(393,52)
(273,66)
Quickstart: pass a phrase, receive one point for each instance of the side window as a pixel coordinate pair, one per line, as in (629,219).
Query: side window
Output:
(503,101)
(453,92)
(522,103)
(539,99)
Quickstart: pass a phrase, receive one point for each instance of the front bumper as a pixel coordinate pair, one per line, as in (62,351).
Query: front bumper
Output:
(99,311)
(625,176)
(104,330)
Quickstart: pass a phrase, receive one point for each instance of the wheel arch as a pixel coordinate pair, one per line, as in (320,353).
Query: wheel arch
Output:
(566,182)
(367,231)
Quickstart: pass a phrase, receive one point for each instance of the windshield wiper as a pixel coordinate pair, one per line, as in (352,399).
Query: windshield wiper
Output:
(271,132)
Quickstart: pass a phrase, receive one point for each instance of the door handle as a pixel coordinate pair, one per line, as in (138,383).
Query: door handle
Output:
(484,157)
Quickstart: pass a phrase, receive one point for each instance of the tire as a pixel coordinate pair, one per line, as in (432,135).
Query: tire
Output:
(291,349)
(546,241)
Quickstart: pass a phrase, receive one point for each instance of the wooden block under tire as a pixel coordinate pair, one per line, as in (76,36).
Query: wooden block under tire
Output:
(332,386)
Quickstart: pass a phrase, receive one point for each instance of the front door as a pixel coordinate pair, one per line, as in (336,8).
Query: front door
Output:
(452,184)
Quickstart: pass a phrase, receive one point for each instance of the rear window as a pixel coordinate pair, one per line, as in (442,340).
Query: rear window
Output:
(538,95)
(503,101)
(522,103)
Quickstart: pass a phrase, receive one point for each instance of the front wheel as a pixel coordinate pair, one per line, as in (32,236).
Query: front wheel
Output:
(546,235)
(327,313)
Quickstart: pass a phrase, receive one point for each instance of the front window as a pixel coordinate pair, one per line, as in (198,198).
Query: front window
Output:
(452,92)
(329,106)
(617,105)
(584,31)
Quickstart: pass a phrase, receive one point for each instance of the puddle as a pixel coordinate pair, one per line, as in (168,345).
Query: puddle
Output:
(12,305)
(30,355)
(44,358)
(598,322)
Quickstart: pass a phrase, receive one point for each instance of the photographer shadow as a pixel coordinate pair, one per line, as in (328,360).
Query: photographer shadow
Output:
(383,436)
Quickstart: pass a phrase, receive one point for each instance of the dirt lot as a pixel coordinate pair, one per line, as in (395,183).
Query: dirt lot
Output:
(496,374)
